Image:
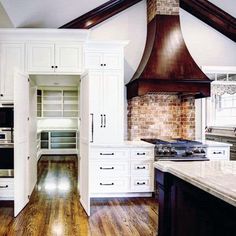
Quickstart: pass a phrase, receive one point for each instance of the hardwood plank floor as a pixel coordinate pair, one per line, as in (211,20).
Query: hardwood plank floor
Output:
(54,208)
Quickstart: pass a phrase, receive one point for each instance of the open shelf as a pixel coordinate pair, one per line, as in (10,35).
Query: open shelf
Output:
(57,103)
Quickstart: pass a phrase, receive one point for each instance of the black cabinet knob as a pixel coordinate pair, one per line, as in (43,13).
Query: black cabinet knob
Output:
(52,66)
(56,66)
(1,95)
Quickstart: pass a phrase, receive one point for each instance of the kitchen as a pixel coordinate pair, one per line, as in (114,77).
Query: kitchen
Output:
(109,167)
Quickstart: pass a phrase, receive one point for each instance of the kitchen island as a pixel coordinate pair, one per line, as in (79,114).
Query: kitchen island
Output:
(196,198)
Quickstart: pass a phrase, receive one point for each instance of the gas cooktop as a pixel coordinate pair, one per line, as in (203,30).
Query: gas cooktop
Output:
(178,150)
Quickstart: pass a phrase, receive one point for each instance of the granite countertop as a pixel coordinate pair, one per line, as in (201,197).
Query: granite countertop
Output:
(138,144)
(215,177)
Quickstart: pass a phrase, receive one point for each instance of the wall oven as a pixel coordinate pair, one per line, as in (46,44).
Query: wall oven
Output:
(6,117)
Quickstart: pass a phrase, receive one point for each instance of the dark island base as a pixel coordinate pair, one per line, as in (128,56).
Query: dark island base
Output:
(185,210)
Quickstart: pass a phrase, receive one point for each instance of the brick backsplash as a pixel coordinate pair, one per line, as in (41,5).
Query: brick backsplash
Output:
(161,116)
(162,7)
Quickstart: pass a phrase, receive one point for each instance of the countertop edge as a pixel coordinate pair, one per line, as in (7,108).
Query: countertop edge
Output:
(197,183)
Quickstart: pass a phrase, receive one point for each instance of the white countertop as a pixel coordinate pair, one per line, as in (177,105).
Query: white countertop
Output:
(137,144)
(215,177)
(221,135)
(56,129)
(215,144)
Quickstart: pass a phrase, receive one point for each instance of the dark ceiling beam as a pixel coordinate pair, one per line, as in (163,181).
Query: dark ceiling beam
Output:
(100,14)
(211,15)
(202,9)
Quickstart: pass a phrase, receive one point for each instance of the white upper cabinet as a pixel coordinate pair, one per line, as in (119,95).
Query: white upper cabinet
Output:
(69,58)
(103,60)
(12,58)
(54,58)
(40,57)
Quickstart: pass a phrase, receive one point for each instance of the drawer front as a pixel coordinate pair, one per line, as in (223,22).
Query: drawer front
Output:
(109,153)
(6,188)
(109,185)
(142,184)
(108,168)
(142,168)
(142,153)
(218,153)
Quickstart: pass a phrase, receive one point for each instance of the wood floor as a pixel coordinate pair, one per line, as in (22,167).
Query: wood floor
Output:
(54,208)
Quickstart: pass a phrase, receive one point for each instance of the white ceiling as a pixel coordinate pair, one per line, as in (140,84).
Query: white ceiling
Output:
(46,13)
(55,13)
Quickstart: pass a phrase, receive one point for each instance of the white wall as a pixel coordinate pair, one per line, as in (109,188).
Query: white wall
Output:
(131,25)
(207,46)
(5,21)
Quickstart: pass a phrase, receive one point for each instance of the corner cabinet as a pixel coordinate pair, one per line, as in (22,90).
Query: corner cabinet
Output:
(12,58)
(54,58)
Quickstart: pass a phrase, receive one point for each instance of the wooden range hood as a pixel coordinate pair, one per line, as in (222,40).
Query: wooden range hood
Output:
(166,65)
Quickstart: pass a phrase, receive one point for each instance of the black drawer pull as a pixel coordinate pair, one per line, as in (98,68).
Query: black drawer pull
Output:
(217,153)
(6,186)
(141,183)
(107,154)
(141,153)
(141,167)
(106,184)
(107,168)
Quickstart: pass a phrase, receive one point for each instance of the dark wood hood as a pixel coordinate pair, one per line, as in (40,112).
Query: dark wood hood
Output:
(167,65)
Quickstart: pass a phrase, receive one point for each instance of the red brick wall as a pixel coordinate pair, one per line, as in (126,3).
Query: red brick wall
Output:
(161,116)
(162,7)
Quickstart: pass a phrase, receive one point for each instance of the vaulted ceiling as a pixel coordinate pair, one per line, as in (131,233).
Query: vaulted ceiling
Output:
(46,13)
(55,13)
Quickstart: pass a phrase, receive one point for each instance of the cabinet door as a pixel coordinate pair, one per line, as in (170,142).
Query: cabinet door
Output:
(112,107)
(96,104)
(93,60)
(21,141)
(112,61)
(68,58)
(40,58)
(12,58)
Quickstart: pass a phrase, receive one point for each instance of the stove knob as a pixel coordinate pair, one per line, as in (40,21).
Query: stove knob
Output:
(160,151)
(189,153)
(196,150)
(166,151)
(173,151)
(203,151)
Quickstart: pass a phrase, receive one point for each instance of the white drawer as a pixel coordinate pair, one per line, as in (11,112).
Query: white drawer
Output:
(109,153)
(142,153)
(142,168)
(109,168)
(142,184)
(218,153)
(6,188)
(109,185)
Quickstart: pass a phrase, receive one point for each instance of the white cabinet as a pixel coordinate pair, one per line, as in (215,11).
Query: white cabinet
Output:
(121,171)
(12,58)
(54,58)
(103,60)
(105,93)
(6,189)
(218,152)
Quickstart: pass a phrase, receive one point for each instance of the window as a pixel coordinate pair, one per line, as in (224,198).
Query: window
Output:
(224,109)
(221,106)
